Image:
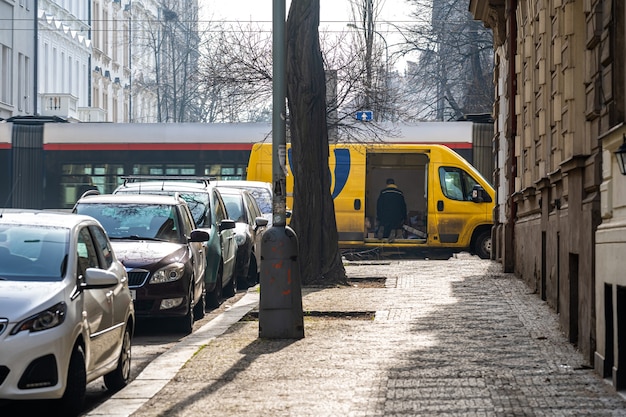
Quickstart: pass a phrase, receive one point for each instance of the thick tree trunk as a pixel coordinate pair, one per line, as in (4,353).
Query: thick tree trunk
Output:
(313,209)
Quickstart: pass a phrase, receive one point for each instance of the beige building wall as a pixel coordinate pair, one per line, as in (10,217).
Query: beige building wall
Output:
(606,102)
(561,210)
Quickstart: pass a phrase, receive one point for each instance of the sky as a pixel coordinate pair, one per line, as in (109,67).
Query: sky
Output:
(330,10)
(334,15)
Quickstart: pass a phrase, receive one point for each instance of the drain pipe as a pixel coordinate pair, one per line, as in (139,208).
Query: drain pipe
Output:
(509,258)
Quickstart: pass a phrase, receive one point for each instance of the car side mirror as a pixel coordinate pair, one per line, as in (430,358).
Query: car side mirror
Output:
(479,195)
(226,224)
(99,278)
(260,222)
(199,236)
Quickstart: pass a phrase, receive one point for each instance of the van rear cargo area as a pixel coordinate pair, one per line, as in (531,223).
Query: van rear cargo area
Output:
(409,172)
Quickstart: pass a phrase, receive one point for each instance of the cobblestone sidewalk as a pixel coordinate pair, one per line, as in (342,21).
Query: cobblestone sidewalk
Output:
(454,337)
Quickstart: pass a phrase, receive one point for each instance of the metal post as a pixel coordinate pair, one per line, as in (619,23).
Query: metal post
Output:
(280,307)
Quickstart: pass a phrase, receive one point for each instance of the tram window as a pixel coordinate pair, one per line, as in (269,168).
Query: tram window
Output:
(224,172)
(180,171)
(163,169)
(78,178)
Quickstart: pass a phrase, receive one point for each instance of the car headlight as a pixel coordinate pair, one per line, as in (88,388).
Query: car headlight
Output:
(169,273)
(240,238)
(44,320)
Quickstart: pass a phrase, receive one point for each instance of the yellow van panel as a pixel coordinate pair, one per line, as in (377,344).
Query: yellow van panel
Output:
(358,172)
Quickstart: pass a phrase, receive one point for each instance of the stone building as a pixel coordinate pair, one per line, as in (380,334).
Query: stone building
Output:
(561,209)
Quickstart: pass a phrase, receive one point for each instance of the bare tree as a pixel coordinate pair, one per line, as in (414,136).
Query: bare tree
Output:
(236,77)
(171,37)
(313,211)
(453,73)
(237,73)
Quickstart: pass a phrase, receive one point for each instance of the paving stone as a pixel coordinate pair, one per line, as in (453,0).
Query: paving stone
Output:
(450,337)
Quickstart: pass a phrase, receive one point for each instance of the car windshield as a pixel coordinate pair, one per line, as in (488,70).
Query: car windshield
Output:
(198,203)
(33,253)
(234,207)
(263,197)
(135,221)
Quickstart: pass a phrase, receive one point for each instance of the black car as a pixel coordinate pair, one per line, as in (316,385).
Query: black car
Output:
(209,213)
(155,238)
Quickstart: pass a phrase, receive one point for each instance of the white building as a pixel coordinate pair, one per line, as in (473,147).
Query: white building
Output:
(86,60)
(119,60)
(17,57)
(64,49)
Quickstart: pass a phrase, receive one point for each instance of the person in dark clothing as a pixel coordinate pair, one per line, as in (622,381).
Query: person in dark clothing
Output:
(390,209)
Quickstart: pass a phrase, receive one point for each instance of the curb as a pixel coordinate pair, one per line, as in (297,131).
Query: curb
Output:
(160,371)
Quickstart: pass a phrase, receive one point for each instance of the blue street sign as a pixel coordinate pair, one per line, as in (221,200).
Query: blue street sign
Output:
(364,116)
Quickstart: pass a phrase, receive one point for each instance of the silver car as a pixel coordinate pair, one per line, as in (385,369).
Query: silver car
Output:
(250,225)
(66,313)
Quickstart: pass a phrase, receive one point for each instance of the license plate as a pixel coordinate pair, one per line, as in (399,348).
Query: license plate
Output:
(133,294)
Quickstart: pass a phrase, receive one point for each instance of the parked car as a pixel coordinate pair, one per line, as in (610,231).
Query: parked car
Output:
(209,214)
(250,225)
(66,312)
(155,238)
(261,191)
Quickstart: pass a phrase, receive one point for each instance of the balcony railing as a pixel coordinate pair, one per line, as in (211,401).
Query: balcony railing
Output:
(92,114)
(61,105)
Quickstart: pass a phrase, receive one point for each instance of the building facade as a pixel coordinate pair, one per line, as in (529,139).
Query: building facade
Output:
(64,49)
(95,60)
(559,111)
(17,57)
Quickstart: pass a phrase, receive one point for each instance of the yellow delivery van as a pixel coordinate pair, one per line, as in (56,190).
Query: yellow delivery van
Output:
(449,204)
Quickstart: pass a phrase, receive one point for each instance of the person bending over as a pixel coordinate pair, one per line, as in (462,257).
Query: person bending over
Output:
(390,209)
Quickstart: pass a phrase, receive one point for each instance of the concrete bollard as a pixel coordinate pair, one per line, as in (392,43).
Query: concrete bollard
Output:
(280,305)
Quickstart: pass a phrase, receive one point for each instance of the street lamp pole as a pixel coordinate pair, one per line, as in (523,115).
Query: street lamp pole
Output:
(280,298)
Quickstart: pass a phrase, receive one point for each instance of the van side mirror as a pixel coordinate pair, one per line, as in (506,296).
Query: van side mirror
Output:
(479,195)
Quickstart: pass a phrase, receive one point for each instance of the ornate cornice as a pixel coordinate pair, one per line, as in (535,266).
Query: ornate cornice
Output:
(492,14)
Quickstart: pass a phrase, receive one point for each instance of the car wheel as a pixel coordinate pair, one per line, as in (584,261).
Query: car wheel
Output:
(186,322)
(73,400)
(482,245)
(201,304)
(118,379)
(253,274)
(231,288)
(214,297)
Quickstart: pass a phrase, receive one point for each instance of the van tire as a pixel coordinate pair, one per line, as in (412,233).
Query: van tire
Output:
(482,245)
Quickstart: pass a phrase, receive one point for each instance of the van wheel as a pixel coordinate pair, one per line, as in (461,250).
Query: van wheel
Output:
(71,404)
(214,297)
(482,245)
(116,380)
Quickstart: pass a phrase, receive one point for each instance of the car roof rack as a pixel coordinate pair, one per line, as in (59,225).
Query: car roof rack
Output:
(139,178)
(90,192)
